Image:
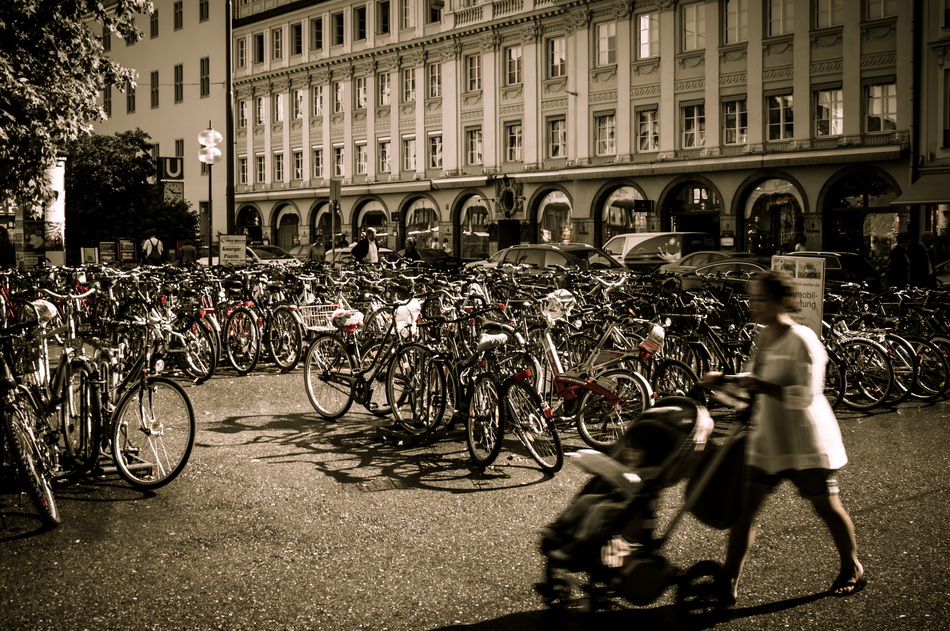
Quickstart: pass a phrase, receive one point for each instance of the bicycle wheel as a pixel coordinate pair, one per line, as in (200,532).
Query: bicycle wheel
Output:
(200,356)
(285,338)
(80,418)
(933,372)
(904,364)
(531,422)
(603,418)
(672,377)
(868,376)
(30,459)
(484,425)
(378,401)
(835,386)
(328,376)
(242,340)
(153,433)
(415,387)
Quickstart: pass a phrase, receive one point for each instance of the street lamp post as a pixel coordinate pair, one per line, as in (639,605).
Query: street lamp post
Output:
(209,154)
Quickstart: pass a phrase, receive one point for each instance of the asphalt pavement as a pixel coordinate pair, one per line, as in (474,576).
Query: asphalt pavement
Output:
(284,521)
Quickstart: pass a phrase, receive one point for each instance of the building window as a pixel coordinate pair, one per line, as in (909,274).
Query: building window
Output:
(258,48)
(829,13)
(318,164)
(178,14)
(384,88)
(781,124)
(298,103)
(179,83)
(359,23)
(405,14)
(205,74)
(648,130)
(435,81)
(338,162)
(298,165)
(606,43)
(605,126)
(316,34)
(129,98)
(337,97)
(409,154)
(693,27)
(878,9)
(204,13)
(648,35)
(781,14)
(359,86)
(881,107)
(383,17)
(735,122)
(339,34)
(829,113)
(473,146)
(557,138)
(435,152)
(242,170)
(694,126)
(243,107)
(473,73)
(277,43)
(241,53)
(296,39)
(736,21)
(361,158)
(154,89)
(278,106)
(153,24)
(278,167)
(435,12)
(513,65)
(385,156)
(317,91)
(259,110)
(107,100)
(408,85)
(261,169)
(513,142)
(556,49)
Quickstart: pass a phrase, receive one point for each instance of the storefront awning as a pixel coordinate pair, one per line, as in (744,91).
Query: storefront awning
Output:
(929,189)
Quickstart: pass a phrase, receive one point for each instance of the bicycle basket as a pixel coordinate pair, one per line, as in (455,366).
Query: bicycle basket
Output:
(23,356)
(318,317)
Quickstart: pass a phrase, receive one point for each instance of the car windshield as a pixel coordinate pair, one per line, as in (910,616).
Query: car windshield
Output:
(591,259)
(270,252)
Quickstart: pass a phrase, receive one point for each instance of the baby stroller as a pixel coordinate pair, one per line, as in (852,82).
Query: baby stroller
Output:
(625,561)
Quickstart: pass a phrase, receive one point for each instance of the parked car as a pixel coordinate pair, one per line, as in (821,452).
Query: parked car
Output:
(942,271)
(645,251)
(345,255)
(301,252)
(255,255)
(544,256)
(734,271)
(846,267)
(692,261)
(442,261)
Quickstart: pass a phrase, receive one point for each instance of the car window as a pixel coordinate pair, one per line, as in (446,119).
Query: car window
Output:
(748,268)
(556,258)
(614,246)
(267,254)
(716,268)
(531,257)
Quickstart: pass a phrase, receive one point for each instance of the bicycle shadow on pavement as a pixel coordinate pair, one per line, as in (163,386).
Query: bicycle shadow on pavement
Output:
(355,451)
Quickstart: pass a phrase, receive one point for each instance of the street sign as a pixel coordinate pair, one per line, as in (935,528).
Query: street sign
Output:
(171,168)
(232,250)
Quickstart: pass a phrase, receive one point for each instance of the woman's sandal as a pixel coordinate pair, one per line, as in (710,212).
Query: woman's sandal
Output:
(856,583)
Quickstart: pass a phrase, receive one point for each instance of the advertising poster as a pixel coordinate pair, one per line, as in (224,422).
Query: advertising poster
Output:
(127,250)
(808,274)
(34,241)
(107,252)
(90,256)
(55,228)
(232,250)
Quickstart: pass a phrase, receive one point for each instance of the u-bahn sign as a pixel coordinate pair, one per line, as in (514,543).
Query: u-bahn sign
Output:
(171,169)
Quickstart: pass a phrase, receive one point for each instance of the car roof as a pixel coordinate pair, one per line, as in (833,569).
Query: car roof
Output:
(552,246)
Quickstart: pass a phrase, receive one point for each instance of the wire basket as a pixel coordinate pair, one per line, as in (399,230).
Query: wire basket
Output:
(318,317)
(23,355)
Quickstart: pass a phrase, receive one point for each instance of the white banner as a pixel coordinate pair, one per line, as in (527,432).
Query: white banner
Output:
(808,275)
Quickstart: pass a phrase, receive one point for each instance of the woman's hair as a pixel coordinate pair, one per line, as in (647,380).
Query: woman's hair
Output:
(777,284)
(655,439)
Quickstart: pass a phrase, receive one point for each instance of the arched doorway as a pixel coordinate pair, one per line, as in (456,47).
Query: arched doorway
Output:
(474,230)
(249,223)
(623,212)
(692,206)
(422,223)
(773,217)
(288,228)
(858,216)
(554,219)
(328,228)
(373,215)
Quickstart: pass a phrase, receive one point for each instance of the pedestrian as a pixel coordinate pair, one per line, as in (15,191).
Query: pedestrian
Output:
(152,249)
(411,253)
(898,267)
(795,433)
(445,246)
(318,253)
(342,243)
(189,254)
(367,251)
(7,250)
(923,261)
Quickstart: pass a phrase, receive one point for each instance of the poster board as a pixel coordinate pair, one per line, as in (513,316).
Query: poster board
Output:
(232,250)
(808,275)
(126,250)
(90,256)
(107,251)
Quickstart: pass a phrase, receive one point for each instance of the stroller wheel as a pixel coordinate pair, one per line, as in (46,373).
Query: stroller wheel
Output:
(703,590)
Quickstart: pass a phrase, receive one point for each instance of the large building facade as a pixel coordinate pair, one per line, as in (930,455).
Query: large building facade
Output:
(474,124)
